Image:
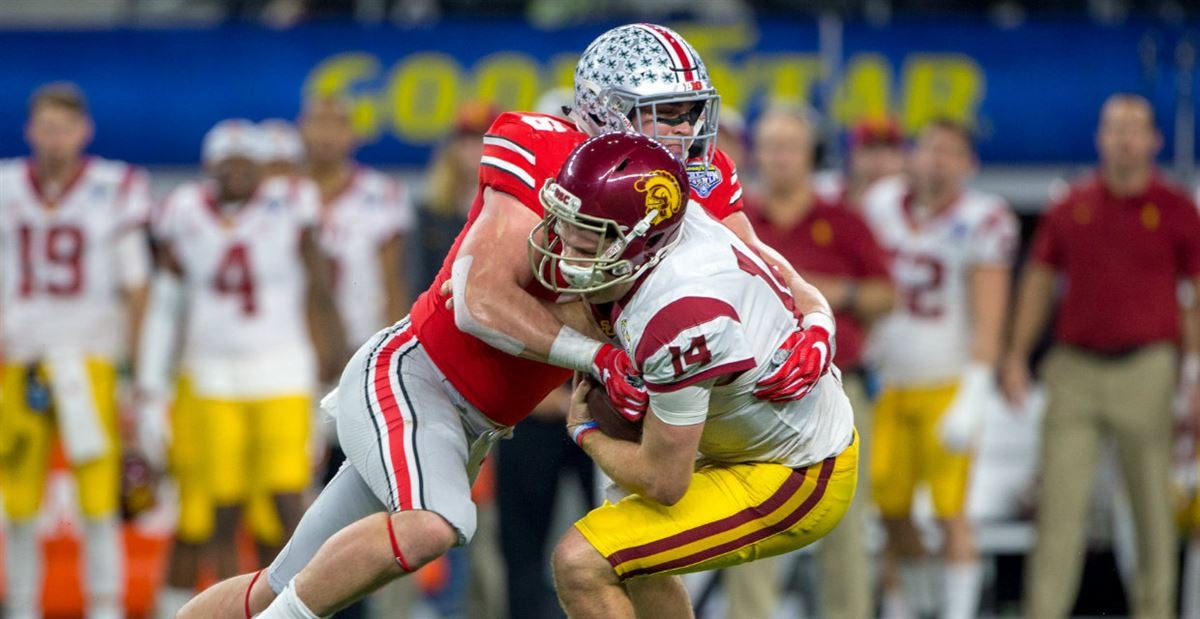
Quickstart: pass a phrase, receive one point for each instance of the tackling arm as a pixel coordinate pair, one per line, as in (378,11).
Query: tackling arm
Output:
(489,278)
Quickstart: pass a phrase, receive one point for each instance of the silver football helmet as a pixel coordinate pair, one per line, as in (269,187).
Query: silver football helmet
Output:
(631,70)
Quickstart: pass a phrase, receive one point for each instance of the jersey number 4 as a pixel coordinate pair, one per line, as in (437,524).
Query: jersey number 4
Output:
(62,253)
(234,277)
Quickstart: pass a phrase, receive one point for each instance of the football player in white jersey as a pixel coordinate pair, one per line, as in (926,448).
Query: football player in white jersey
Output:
(259,322)
(284,150)
(75,266)
(364,221)
(952,251)
(701,316)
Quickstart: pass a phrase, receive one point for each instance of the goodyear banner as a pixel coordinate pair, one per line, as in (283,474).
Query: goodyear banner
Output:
(1032,91)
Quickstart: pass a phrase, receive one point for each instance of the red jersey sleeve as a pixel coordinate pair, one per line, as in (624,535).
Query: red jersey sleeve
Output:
(520,151)
(716,185)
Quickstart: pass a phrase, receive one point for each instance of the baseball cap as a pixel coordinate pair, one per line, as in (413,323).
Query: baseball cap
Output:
(882,130)
(281,141)
(236,137)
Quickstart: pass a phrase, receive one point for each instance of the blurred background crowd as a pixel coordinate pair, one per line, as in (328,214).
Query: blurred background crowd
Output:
(1078,117)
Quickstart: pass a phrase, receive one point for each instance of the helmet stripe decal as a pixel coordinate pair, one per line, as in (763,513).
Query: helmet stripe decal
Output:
(675,49)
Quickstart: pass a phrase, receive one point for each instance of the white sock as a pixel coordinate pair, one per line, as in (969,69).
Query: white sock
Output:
(1191,581)
(171,600)
(894,605)
(961,586)
(23,567)
(288,605)
(916,580)
(103,568)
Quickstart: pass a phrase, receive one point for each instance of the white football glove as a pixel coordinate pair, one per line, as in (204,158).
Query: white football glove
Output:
(963,419)
(153,428)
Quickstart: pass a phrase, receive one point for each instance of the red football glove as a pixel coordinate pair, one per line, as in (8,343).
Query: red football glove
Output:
(809,352)
(621,381)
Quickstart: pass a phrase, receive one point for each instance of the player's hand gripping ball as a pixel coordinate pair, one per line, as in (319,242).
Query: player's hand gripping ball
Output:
(599,408)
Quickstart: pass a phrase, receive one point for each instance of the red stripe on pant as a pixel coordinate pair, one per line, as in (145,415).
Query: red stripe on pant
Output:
(392,415)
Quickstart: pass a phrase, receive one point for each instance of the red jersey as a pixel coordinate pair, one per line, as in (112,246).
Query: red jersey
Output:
(1122,258)
(520,151)
(830,240)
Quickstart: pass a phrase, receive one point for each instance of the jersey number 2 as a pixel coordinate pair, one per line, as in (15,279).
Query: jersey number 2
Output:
(63,250)
(695,354)
(234,277)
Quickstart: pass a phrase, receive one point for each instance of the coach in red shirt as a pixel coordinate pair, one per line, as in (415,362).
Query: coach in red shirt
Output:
(834,249)
(1121,240)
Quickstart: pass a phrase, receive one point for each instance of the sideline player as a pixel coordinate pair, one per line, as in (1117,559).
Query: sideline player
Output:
(365,219)
(76,264)
(701,318)
(952,253)
(467,375)
(257,308)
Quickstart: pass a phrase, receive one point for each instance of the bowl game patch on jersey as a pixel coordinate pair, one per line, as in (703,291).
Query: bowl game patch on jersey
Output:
(703,177)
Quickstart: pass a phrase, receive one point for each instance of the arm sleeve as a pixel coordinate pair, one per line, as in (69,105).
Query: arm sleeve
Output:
(683,407)
(690,340)
(994,241)
(726,198)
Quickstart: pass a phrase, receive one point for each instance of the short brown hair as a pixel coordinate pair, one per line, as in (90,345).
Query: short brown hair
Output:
(66,95)
(957,127)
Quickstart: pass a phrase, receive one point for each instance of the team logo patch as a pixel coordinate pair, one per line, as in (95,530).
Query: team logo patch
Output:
(1150,216)
(703,178)
(662,194)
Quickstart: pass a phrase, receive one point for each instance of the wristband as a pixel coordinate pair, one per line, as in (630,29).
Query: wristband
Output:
(581,430)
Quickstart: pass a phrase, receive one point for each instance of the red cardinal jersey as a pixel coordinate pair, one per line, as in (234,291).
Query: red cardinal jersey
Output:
(520,151)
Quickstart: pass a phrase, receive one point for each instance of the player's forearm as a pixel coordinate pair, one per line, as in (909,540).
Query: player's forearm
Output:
(989,299)
(808,298)
(1032,309)
(625,463)
(394,279)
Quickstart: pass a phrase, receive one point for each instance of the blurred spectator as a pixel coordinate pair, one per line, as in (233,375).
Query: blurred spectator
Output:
(1121,239)
(833,249)
(530,466)
(451,185)
(283,147)
(71,231)
(952,253)
(876,152)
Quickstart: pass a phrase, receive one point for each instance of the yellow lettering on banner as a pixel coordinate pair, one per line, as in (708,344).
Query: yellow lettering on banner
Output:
(423,96)
(337,76)
(941,86)
(865,90)
(511,81)
(789,77)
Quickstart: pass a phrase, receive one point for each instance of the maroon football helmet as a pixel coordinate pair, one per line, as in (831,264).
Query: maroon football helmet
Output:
(621,198)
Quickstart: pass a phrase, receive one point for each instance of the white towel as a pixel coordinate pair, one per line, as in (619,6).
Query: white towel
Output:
(84,439)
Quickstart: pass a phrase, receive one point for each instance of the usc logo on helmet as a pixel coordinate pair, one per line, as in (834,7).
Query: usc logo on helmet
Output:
(662,193)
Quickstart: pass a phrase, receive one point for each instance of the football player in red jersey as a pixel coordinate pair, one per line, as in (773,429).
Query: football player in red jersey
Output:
(421,402)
